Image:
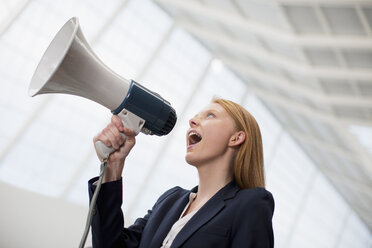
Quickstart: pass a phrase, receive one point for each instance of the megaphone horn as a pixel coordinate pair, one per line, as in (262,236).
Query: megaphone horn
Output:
(70,66)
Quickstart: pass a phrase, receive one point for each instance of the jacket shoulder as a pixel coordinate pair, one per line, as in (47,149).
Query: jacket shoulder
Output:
(256,197)
(258,192)
(175,191)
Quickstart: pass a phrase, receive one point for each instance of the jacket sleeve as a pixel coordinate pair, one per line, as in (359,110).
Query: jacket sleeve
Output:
(108,221)
(252,226)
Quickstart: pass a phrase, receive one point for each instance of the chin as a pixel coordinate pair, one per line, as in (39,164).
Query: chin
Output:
(195,161)
(190,160)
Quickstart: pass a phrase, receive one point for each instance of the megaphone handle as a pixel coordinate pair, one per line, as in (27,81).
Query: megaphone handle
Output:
(105,151)
(129,120)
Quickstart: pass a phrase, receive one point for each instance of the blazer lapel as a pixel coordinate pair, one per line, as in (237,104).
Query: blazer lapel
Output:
(207,212)
(169,219)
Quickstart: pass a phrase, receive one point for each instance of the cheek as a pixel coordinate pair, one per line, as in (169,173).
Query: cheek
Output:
(217,138)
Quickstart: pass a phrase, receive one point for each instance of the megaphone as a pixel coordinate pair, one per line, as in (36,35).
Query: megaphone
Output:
(70,66)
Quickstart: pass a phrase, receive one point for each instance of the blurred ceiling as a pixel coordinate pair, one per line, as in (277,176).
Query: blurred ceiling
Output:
(310,63)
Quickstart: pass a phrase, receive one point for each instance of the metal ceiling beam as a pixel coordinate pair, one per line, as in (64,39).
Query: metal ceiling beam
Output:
(339,55)
(322,144)
(295,88)
(224,17)
(284,63)
(341,42)
(302,109)
(363,19)
(332,149)
(329,148)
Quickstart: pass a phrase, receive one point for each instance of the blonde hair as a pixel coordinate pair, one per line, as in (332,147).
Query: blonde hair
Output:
(248,163)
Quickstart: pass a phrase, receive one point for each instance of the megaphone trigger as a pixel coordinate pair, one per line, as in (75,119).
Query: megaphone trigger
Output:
(130,121)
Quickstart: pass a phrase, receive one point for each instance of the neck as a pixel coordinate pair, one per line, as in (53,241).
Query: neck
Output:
(213,176)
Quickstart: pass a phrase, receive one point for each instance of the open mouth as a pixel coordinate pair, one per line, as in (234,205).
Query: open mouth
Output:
(194,138)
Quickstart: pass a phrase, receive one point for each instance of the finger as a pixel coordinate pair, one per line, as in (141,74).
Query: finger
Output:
(128,132)
(118,136)
(117,122)
(103,138)
(114,136)
(129,144)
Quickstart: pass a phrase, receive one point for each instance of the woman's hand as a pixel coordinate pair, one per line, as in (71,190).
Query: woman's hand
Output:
(111,136)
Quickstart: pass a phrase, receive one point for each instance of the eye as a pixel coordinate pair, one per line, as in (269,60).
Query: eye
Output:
(210,115)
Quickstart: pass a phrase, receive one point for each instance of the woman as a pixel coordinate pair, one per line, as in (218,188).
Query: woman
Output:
(229,207)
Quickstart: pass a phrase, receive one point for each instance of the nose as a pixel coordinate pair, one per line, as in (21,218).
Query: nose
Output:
(193,121)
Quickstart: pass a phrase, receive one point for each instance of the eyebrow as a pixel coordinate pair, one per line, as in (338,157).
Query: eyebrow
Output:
(210,110)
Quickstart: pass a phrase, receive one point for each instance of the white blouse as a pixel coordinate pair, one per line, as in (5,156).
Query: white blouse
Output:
(179,224)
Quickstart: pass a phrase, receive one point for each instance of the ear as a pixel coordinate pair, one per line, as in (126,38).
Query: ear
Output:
(237,138)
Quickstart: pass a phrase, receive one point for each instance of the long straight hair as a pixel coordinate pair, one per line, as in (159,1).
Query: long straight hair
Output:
(248,163)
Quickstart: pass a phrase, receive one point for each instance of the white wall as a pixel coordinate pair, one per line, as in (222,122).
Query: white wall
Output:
(31,220)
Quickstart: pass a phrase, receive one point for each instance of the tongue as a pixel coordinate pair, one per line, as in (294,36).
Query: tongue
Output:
(195,139)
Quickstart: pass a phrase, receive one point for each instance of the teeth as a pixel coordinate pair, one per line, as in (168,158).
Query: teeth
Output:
(194,138)
(194,133)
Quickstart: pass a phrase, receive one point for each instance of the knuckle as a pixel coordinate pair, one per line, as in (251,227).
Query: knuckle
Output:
(106,140)
(105,130)
(115,119)
(110,126)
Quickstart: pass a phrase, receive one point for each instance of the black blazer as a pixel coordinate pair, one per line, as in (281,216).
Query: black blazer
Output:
(231,218)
